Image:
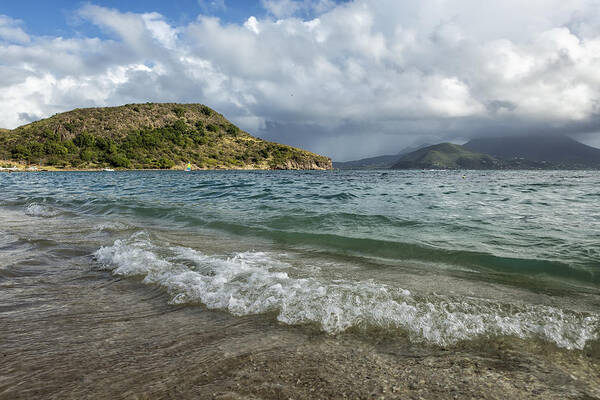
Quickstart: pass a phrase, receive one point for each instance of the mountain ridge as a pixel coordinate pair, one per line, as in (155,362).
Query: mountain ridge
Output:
(557,153)
(555,150)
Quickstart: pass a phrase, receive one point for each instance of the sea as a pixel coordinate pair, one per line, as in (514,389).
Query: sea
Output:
(103,271)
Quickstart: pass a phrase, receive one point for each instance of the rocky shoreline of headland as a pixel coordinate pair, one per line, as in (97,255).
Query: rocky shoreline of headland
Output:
(12,167)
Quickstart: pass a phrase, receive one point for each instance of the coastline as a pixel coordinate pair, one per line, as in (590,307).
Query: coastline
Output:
(21,167)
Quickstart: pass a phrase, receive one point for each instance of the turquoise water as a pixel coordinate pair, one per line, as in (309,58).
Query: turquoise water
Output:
(439,256)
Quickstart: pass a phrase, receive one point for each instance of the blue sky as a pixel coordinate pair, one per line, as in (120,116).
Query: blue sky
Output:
(58,17)
(347,79)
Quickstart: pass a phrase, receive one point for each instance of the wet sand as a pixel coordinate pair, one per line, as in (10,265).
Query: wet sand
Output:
(91,335)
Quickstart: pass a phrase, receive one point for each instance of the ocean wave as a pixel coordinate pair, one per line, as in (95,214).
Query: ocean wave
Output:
(578,269)
(40,210)
(259,282)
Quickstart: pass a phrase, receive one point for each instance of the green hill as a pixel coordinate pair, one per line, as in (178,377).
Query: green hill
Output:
(150,135)
(447,156)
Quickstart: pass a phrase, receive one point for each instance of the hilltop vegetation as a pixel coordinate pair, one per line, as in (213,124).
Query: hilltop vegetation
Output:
(148,136)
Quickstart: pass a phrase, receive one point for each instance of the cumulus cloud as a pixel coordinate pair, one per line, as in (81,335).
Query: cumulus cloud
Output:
(11,31)
(351,79)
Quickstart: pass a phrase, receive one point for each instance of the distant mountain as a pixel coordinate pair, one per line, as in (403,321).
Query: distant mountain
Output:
(504,153)
(447,156)
(379,162)
(151,135)
(557,151)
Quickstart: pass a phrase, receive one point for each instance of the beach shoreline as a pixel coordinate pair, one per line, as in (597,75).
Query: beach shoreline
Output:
(21,167)
(109,337)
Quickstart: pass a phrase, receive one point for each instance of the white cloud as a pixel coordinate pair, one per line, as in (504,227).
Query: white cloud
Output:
(11,31)
(160,30)
(312,73)
(252,24)
(450,97)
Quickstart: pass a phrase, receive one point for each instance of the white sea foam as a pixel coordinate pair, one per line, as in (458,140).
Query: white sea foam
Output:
(110,226)
(257,282)
(40,210)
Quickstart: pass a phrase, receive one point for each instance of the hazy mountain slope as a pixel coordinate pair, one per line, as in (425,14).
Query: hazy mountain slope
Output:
(379,162)
(557,150)
(149,136)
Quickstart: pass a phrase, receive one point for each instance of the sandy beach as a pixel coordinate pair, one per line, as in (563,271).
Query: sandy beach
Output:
(103,337)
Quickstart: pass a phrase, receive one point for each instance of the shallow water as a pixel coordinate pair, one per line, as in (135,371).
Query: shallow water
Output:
(421,260)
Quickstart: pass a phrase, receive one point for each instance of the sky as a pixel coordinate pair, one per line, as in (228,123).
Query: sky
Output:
(347,79)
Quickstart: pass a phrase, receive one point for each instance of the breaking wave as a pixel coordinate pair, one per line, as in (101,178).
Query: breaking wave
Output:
(259,282)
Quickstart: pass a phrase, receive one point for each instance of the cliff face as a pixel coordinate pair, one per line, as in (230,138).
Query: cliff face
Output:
(321,163)
(149,136)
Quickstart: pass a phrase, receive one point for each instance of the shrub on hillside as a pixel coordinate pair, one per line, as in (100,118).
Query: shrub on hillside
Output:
(70,146)
(49,134)
(20,152)
(179,112)
(232,130)
(87,155)
(55,148)
(105,144)
(119,160)
(36,149)
(165,163)
(206,111)
(84,140)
